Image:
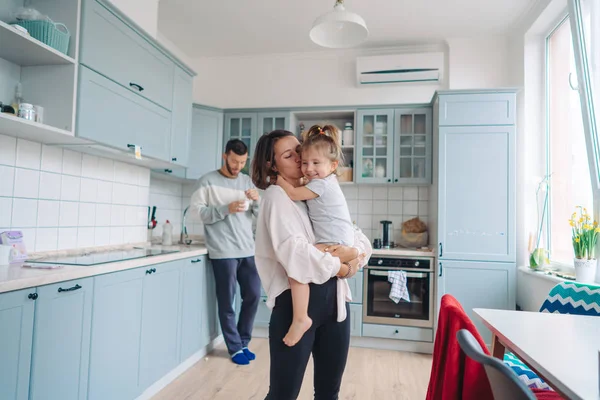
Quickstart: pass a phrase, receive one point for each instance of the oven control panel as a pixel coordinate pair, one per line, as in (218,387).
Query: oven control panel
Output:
(413,263)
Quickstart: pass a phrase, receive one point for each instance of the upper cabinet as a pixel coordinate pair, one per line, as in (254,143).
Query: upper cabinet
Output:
(131,91)
(181,118)
(271,121)
(394,146)
(117,51)
(206,145)
(242,126)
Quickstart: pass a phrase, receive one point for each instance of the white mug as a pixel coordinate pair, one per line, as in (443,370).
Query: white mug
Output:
(246,205)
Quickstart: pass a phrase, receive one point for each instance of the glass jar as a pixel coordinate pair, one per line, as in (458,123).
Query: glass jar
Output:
(26,111)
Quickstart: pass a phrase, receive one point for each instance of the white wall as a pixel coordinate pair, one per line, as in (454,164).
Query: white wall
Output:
(329,78)
(480,62)
(142,12)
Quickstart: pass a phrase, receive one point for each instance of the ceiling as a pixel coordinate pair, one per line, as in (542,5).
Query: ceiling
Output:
(209,28)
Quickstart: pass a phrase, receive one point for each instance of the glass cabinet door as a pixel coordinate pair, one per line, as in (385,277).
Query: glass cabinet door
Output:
(375,146)
(412,155)
(242,126)
(268,122)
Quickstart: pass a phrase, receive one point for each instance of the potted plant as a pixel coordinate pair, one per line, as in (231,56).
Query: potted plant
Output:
(585,235)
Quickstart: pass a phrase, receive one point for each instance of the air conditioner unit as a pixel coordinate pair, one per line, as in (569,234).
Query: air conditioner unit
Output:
(400,68)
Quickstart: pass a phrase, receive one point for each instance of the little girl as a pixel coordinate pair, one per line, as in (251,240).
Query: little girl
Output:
(327,209)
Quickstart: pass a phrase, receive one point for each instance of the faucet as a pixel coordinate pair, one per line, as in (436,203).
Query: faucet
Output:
(183,237)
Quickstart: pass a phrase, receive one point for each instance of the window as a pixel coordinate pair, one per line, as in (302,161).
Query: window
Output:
(567,160)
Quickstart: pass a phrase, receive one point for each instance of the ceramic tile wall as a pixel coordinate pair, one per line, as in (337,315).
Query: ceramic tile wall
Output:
(63,199)
(370,204)
(167,196)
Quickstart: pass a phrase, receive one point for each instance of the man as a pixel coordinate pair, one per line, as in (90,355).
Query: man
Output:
(222,201)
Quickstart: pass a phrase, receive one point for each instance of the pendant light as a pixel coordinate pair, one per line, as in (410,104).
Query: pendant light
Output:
(339,28)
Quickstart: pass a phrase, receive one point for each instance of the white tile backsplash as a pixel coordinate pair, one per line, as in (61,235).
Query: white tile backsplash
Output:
(50,185)
(52,159)
(378,203)
(8,147)
(63,199)
(27,183)
(28,154)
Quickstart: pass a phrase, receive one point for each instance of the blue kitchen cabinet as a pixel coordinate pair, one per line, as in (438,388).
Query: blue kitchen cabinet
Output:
(270,121)
(468,108)
(375,144)
(160,322)
(192,295)
(116,50)
(412,146)
(116,331)
(210,322)
(356,287)
(206,148)
(61,340)
(16,338)
(109,114)
(479,285)
(355,319)
(181,117)
(263,314)
(477,192)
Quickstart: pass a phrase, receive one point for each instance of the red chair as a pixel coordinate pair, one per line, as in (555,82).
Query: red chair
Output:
(454,376)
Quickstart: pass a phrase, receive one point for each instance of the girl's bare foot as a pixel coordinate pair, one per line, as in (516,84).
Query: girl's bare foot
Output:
(297,330)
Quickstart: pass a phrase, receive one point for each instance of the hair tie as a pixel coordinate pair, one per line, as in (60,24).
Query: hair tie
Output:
(321,131)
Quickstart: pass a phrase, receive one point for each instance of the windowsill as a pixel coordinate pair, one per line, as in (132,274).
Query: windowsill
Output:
(551,273)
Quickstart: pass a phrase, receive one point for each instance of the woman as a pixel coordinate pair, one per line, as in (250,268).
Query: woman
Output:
(284,249)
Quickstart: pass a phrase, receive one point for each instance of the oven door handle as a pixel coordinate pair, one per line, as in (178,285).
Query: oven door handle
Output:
(408,274)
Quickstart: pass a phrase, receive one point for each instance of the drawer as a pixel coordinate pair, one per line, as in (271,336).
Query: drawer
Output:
(477,109)
(112,115)
(356,287)
(398,332)
(111,47)
(263,314)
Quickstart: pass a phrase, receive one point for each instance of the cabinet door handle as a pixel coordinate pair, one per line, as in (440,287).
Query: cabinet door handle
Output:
(148,271)
(153,270)
(135,85)
(174,159)
(169,171)
(441,269)
(396,180)
(389,180)
(441,249)
(32,296)
(396,331)
(76,287)
(196,261)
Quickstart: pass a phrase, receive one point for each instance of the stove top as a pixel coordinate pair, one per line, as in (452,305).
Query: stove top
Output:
(102,257)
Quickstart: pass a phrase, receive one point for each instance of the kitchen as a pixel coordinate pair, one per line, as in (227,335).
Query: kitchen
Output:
(117,131)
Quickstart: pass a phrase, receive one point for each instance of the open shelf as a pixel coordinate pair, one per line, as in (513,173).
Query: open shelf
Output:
(23,50)
(14,126)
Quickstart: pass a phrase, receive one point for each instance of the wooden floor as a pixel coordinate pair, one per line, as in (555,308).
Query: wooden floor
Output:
(370,374)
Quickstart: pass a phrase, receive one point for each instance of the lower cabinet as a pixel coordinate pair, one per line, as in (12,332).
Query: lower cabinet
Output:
(116,330)
(193,292)
(61,340)
(160,323)
(210,322)
(355,319)
(263,314)
(16,337)
(479,285)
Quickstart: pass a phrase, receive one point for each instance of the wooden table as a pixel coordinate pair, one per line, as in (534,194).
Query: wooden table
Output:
(562,349)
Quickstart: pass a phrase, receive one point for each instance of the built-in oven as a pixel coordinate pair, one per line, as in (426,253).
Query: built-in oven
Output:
(399,291)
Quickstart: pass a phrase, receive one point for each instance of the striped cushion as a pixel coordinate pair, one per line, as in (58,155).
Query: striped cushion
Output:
(573,298)
(524,373)
(564,298)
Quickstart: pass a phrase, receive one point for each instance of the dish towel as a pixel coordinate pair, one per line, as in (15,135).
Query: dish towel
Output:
(399,289)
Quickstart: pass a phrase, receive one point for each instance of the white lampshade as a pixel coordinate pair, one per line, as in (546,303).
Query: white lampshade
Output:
(339,28)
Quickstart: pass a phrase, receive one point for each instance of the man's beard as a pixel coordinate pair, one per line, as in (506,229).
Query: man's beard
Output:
(229,169)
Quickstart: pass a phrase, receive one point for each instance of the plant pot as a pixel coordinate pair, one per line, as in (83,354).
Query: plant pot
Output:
(585,270)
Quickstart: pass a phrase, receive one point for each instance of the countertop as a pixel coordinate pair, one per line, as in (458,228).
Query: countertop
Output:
(405,252)
(16,276)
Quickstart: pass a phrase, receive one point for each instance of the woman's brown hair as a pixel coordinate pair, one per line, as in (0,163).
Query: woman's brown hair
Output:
(263,160)
(326,139)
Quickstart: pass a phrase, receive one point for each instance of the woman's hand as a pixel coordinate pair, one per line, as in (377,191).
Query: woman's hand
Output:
(344,253)
(349,269)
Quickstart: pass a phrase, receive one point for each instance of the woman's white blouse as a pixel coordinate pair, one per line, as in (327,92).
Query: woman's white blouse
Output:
(284,249)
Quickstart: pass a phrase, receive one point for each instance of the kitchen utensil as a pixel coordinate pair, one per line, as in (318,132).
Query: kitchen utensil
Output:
(152,222)
(386,233)
(377,243)
(39,114)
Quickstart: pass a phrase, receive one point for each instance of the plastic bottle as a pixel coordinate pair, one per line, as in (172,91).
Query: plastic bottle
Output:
(18,98)
(167,234)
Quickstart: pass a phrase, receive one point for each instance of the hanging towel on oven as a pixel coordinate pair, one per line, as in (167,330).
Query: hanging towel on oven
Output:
(399,289)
